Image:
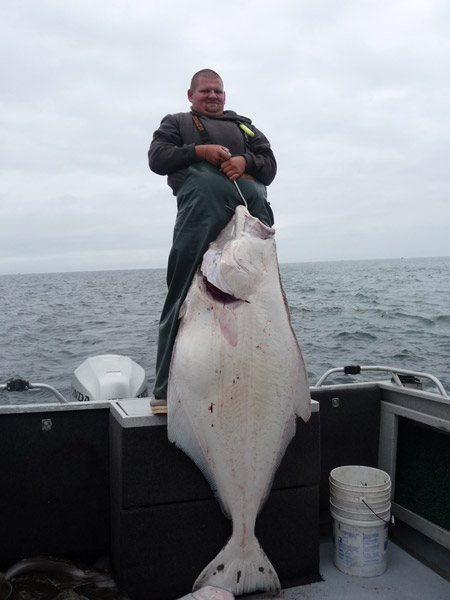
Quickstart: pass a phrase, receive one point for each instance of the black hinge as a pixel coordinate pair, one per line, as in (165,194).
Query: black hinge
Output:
(17,385)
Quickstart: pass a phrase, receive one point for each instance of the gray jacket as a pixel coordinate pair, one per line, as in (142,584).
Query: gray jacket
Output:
(172,149)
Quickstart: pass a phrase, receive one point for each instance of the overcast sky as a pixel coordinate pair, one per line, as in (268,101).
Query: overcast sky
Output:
(354,96)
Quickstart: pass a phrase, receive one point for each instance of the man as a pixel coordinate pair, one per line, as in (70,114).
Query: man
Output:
(202,153)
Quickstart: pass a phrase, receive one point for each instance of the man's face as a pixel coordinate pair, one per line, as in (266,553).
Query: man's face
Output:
(208,97)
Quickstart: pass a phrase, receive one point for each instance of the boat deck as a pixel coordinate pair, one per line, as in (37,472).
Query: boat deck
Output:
(82,446)
(405,579)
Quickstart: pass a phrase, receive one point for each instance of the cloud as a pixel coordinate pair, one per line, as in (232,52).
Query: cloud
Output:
(352,96)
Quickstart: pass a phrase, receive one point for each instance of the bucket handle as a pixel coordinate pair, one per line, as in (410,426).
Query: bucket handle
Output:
(371,510)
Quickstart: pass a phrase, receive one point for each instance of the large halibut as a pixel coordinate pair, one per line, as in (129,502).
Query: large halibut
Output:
(237,382)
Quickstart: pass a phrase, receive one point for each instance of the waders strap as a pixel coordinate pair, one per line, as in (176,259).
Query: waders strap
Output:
(204,135)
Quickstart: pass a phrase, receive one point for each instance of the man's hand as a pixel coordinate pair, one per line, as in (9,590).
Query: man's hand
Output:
(234,167)
(213,153)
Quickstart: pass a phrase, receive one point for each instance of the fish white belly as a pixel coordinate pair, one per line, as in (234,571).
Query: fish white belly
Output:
(237,383)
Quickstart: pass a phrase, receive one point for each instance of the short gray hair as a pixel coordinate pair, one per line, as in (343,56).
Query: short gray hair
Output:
(203,73)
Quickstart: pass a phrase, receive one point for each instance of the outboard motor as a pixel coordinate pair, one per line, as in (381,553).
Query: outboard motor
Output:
(108,377)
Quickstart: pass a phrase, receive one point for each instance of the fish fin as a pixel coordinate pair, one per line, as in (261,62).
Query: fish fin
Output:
(288,434)
(240,571)
(302,400)
(182,433)
(302,404)
(302,409)
(183,310)
(209,593)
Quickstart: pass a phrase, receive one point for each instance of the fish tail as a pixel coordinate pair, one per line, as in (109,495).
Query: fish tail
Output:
(240,570)
(209,593)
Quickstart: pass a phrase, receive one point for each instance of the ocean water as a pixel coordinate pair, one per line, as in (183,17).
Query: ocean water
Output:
(377,312)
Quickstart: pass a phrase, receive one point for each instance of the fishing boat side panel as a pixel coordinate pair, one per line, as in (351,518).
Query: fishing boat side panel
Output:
(55,483)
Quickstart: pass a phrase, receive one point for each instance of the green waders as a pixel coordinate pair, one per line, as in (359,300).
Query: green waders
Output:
(206,202)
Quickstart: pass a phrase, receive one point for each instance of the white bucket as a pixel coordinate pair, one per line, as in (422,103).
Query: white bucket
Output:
(360,502)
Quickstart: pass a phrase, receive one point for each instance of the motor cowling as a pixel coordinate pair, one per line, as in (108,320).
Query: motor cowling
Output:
(108,377)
